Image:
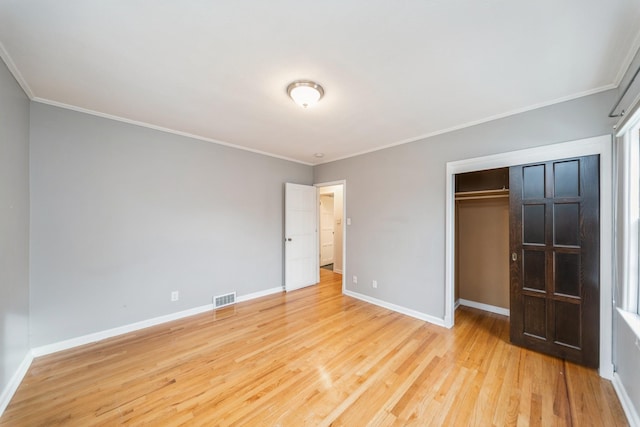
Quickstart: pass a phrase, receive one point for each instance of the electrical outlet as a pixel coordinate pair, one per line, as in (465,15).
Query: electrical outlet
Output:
(175,296)
(355,279)
(374,283)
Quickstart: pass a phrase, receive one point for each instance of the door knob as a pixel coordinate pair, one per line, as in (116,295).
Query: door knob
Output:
(514,256)
(289,239)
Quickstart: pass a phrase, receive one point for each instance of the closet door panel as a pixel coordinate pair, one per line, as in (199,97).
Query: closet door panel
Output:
(555,250)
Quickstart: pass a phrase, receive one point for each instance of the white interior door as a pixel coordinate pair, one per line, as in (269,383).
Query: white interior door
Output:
(301,238)
(326,229)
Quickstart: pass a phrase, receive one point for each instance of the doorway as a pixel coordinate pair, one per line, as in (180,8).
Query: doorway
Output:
(530,252)
(590,146)
(328,224)
(331,227)
(482,240)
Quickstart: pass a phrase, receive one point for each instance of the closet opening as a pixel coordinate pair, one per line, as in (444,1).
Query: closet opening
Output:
(482,240)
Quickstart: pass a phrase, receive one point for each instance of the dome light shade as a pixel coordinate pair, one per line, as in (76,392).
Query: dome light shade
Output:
(305,92)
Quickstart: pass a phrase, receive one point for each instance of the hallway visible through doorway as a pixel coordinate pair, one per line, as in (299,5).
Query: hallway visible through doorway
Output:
(331,227)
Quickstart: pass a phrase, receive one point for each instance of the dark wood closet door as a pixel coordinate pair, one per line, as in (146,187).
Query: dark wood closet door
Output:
(555,258)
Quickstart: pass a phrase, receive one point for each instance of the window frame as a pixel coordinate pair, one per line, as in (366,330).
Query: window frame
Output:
(634,135)
(629,228)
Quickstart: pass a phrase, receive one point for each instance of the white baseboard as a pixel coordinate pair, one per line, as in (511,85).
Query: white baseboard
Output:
(605,370)
(335,270)
(485,307)
(14,382)
(627,404)
(109,333)
(259,294)
(397,308)
(457,304)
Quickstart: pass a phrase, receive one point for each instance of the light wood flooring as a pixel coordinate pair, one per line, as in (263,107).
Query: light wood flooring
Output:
(312,357)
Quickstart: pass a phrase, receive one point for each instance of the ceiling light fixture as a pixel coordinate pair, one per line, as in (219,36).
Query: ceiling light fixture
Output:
(305,92)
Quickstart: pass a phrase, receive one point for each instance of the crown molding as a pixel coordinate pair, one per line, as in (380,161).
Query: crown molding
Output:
(162,129)
(16,73)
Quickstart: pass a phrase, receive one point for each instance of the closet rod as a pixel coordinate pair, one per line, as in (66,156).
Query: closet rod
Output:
(488,196)
(500,191)
(622,95)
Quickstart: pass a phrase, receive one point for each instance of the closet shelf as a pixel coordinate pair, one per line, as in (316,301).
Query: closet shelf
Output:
(483,194)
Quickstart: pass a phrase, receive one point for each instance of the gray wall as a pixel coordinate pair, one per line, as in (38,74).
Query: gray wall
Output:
(396,197)
(14,226)
(122,215)
(627,356)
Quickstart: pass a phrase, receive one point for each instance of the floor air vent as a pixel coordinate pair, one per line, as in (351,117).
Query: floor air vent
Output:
(224,300)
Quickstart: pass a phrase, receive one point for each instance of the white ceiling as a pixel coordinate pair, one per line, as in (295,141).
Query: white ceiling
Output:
(393,71)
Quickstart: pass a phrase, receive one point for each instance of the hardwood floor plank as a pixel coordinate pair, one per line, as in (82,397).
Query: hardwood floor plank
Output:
(307,358)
